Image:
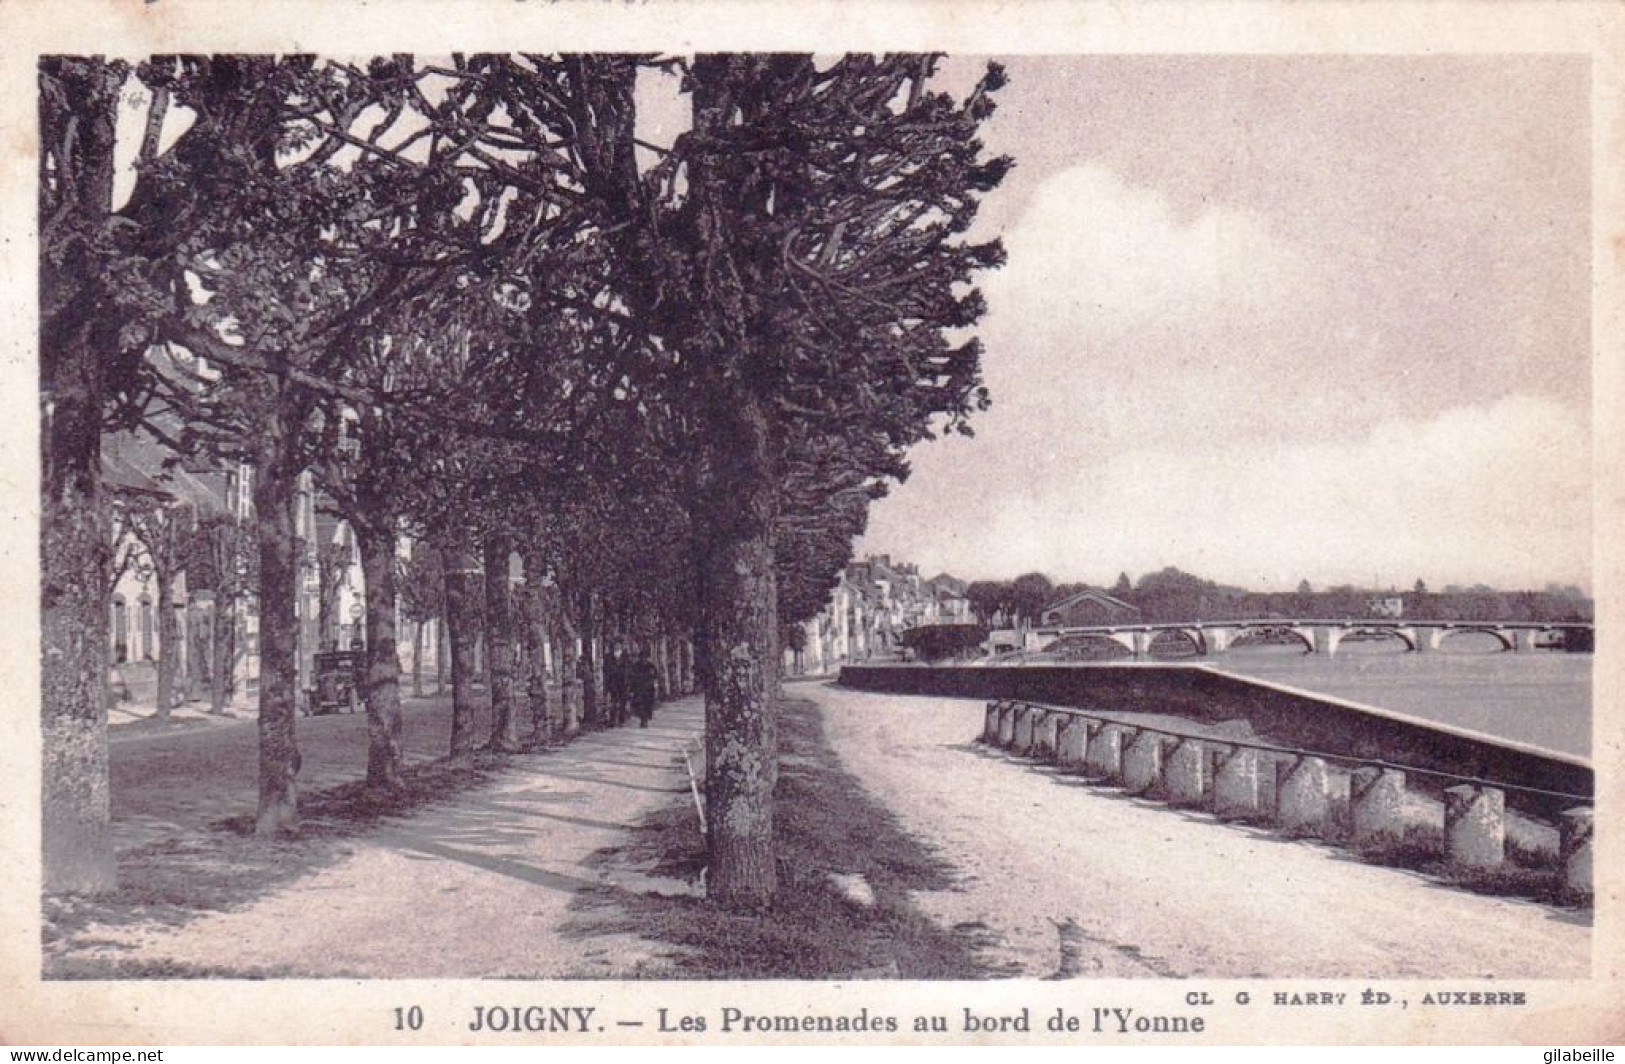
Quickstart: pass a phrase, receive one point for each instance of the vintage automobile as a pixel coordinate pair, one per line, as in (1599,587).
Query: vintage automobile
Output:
(337,676)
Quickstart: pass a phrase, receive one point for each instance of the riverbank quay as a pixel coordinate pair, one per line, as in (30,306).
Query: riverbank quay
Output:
(1455,828)
(1475,811)
(1135,889)
(1286,715)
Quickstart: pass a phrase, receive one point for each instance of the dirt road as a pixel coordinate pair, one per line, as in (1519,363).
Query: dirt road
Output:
(203,769)
(1156,892)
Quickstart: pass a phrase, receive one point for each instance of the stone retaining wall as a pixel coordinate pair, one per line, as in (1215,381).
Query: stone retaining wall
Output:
(1289,789)
(1286,717)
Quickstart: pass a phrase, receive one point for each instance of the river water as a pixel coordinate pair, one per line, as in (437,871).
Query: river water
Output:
(1542,697)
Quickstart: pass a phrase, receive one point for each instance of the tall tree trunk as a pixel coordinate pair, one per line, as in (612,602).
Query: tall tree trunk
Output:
(224,651)
(377,547)
(462,576)
(326,602)
(587,664)
(534,617)
(442,651)
(739,656)
(199,657)
(417,659)
(499,644)
(569,670)
(540,721)
(77,826)
(590,665)
(78,327)
(169,640)
(235,652)
(663,666)
(276,489)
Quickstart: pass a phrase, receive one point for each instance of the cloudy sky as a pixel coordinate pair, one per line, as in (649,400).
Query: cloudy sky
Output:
(1269,319)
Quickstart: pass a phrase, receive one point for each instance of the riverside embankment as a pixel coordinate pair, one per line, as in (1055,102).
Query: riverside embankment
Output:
(1148,891)
(1284,714)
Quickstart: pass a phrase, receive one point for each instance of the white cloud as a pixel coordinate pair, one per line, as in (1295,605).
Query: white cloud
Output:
(1121,320)
(1092,253)
(1496,493)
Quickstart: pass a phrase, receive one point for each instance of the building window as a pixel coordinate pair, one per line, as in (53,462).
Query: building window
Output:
(146,627)
(121,633)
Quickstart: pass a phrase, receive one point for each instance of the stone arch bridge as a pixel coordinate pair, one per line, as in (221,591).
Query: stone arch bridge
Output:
(1317,636)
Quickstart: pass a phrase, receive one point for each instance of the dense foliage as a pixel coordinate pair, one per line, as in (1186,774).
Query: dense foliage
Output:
(1171,595)
(934,642)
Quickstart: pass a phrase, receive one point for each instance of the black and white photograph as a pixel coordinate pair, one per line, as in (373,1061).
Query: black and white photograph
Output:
(627,524)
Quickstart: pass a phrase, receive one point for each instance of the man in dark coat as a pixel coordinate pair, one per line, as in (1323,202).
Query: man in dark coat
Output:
(642,684)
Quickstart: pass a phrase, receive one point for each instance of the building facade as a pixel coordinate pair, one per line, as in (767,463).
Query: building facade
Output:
(143,477)
(873,603)
(1089,607)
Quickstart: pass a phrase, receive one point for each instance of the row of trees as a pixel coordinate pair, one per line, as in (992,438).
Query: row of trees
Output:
(160,535)
(1172,595)
(934,642)
(160,538)
(1020,601)
(480,309)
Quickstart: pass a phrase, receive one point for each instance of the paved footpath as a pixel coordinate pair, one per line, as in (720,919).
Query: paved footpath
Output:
(479,885)
(1156,892)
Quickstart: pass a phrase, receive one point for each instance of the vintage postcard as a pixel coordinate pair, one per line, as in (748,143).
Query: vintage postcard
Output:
(731,523)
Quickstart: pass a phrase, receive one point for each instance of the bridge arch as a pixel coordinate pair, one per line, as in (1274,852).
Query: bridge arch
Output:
(1501,637)
(1301,635)
(1165,638)
(1384,631)
(1067,643)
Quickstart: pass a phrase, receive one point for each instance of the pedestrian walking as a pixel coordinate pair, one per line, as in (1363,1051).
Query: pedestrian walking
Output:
(643,688)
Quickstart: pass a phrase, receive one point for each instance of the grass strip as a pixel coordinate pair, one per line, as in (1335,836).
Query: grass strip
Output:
(825,825)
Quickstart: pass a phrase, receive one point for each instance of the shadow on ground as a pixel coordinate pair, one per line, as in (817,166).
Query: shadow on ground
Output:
(196,867)
(826,827)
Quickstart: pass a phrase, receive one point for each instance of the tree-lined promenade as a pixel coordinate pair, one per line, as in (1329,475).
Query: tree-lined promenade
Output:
(484,312)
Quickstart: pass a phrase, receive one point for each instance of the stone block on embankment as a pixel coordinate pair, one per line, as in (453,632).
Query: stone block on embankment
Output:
(990,723)
(1184,773)
(1376,806)
(1045,734)
(1235,783)
(1072,741)
(1007,724)
(1103,759)
(1023,741)
(1302,797)
(1475,826)
(1575,849)
(1142,762)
